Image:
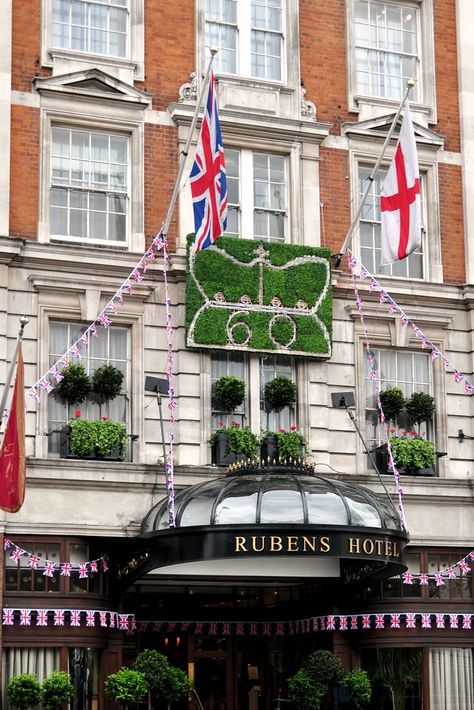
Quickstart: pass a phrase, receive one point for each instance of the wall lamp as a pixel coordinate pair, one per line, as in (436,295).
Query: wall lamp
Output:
(159,386)
(462,436)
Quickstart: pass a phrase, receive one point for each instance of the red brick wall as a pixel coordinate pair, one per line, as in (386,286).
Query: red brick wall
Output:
(447,87)
(26,44)
(335,197)
(161,167)
(24,172)
(451,223)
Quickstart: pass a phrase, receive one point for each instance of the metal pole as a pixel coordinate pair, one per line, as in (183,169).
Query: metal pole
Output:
(23,322)
(184,153)
(158,397)
(355,221)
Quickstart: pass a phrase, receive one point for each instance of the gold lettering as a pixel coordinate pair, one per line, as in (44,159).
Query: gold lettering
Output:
(254,543)
(240,544)
(395,549)
(379,546)
(368,546)
(354,545)
(388,548)
(292,543)
(311,544)
(275,543)
(325,544)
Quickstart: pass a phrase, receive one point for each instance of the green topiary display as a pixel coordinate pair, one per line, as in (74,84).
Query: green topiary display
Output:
(324,667)
(24,691)
(229,393)
(57,689)
(413,453)
(421,407)
(392,401)
(75,385)
(97,437)
(358,684)
(155,668)
(304,692)
(177,685)
(107,382)
(126,686)
(280,393)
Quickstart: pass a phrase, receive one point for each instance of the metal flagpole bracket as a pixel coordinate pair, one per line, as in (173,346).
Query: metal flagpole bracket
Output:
(338,257)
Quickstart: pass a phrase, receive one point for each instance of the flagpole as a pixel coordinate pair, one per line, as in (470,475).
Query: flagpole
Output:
(347,240)
(184,153)
(23,322)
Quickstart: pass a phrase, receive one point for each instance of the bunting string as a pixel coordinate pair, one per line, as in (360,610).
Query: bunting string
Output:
(169,463)
(376,388)
(68,617)
(49,567)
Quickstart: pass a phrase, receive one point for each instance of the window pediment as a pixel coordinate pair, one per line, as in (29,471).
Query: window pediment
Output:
(379,127)
(93,83)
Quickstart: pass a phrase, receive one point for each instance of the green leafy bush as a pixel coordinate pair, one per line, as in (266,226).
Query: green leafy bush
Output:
(413,453)
(290,444)
(421,407)
(97,437)
(240,440)
(305,692)
(392,401)
(75,385)
(358,684)
(126,686)
(24,691)
(177,685)
(229,393)
(280,393)
(324,667)
(163,680)
(57,689)
(107,382)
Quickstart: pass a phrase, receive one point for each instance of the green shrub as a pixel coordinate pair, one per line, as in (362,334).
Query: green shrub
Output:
(126,686)
(421,407)
(57,689)
(358,683)
(107,382)
(24,691)
(177,685)
(305,692)
(75,385)
(240,440)
(229,393)
(97,437)
(413,454)
(324,667)
(280,393)
(392,401)
(155,668)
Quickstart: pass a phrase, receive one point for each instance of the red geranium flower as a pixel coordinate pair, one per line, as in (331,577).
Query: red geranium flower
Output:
(293,427)
(282,431)
(221,422)
(77,413)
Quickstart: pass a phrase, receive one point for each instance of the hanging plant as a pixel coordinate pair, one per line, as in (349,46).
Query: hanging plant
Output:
(392,401)
(107,382)
(280,393)
(421,407)
(229,393)
(75,385)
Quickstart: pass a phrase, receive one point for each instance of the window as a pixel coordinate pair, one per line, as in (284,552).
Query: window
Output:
(386,48)
(460,587)
(249,35)
(89,186)
(257,195)
(370,231)
(410,371)
(110,347)
(272,366)
(98,26)
(222,365)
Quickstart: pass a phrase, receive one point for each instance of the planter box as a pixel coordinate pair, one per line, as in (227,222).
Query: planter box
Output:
(220,454)
(65,451)
(380,456)
(269,450)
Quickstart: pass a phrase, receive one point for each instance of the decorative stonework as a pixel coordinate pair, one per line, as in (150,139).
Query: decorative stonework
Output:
(188,92)
(276,298)
(308,108)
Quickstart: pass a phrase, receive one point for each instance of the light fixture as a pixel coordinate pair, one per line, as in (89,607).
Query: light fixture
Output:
(159,386)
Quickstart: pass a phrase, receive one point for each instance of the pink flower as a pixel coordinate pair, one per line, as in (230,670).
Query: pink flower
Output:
(104,419)
(392,431)
(404,433)
(282,431)
(236,424)
(77,413)
(414,433)
(221,422)
(293,427)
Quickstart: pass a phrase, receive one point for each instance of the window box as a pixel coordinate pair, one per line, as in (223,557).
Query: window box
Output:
(220,453)
(66,452)
(380,456)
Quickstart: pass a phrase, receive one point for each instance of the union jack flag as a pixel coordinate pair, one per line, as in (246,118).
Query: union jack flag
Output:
(395,621)
(451,573)
(466,621)
(426,621)
(468,388)
(266,629)
(279,630)
(56,374)
(59,617)
(34,561)
(353,622)
(83,570)
(17,554)
(75,617)
(66,568)
(112,619)
(453,621)
(75,352)
(366,621)
(46,384)
(379,621)
(93,330)
(123,622)
(7,543)
(464,566)
(404,319)
(458,376)
(49,568)
(253,629)
(440,621)
(103,618)
(208,177)
(240,629)
(331,624)
(226,629)
(423,579)
(41,617)
(439,579)
(407,578)
(25,617)
(343,623)
(410,620)
(90,618)
(8,617)
(93,566)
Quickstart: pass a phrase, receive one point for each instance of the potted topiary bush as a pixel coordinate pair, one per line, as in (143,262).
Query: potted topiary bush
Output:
(283,446)
(413,454)
(304,692)
(392,401)
(421,407)
(279,393)
(234,443)
(107,383)
(359,686)
(229,393)
(56,690)
(126,686)
(24,691)
(75,385)
(163,680)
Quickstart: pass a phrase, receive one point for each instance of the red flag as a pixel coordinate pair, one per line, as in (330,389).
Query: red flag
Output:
(400,200)
(12,453)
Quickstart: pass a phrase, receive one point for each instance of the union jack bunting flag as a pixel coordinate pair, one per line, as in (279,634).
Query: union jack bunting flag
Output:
(208,177)
(8,617)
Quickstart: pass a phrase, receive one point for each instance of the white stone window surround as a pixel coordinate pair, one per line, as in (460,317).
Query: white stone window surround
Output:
(128,69)
(369,106)
(386,332)
(60,299)
(243,92)
(363,155)
(92,121)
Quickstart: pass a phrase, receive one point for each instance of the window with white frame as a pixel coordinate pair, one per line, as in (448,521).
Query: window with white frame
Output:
(370,231)
(272,366)
(250,37)
(89,188)
(411,372)
(257,185)
(94,26)
(224,364)
(386,47)
(111,346)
